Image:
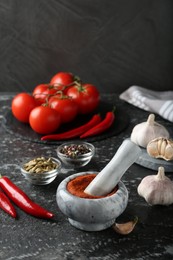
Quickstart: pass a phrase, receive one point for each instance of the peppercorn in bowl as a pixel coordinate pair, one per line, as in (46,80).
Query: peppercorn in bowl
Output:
(75,154)
(41,170)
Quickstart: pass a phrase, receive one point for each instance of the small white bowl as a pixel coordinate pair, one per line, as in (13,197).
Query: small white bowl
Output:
(77,160)
(43,178)
(91,214)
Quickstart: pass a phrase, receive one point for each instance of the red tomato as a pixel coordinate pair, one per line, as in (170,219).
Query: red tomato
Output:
(86,96)
(42,92)
(21,106)
(44,120)
(62,79)
(66,107)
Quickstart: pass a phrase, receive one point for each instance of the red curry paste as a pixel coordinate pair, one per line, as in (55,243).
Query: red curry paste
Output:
(77,186)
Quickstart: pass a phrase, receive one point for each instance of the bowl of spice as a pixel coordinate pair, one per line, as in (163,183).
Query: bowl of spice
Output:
(41,170)
(75,154)
(87,212)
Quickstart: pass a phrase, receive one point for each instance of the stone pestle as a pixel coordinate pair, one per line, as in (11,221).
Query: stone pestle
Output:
(111,174)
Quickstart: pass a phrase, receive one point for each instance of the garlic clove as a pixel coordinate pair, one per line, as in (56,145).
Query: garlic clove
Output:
(163,146)
(144,132)
(169,151)
(158,144)
(125,228)
(156,189)
(160,148)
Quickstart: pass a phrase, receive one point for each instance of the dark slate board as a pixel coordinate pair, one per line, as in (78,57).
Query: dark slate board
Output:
(25,132)
(153,163)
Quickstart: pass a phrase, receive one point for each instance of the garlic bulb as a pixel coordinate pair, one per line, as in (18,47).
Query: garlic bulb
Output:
(156,189)
(144,132)
(161,148)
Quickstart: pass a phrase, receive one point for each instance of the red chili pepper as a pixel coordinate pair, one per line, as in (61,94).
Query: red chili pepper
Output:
(6,205)
(74,132)
(101,127)
(22,200)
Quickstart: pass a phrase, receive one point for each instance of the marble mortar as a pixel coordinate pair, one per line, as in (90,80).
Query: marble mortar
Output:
(91,214)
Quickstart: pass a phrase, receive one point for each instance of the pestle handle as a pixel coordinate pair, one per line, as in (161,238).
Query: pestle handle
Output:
(111,174)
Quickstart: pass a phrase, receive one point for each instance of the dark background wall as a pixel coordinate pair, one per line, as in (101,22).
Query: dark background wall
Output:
(111,43)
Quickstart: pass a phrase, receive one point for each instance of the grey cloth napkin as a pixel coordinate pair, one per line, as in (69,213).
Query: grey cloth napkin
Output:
(159,102)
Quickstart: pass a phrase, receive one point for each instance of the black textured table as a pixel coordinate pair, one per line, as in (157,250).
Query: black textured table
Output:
(31,238)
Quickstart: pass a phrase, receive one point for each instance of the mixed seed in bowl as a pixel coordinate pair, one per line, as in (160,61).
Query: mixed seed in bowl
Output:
(75,154)
(74,150)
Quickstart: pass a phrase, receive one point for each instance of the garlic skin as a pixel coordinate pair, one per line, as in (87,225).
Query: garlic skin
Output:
(125,228)
(144,132)
(161,148)
(156,189)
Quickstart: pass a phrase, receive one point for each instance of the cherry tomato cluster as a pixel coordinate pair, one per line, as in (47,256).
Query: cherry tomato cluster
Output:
(55,103)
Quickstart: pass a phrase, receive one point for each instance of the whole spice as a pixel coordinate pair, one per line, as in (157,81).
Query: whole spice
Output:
(74,132)
(6,205)
(40,165)
(125,228)
(22,200)
(101,127)
(77,186)
(161,148)
(156,189)
(74,150)
(144,132)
